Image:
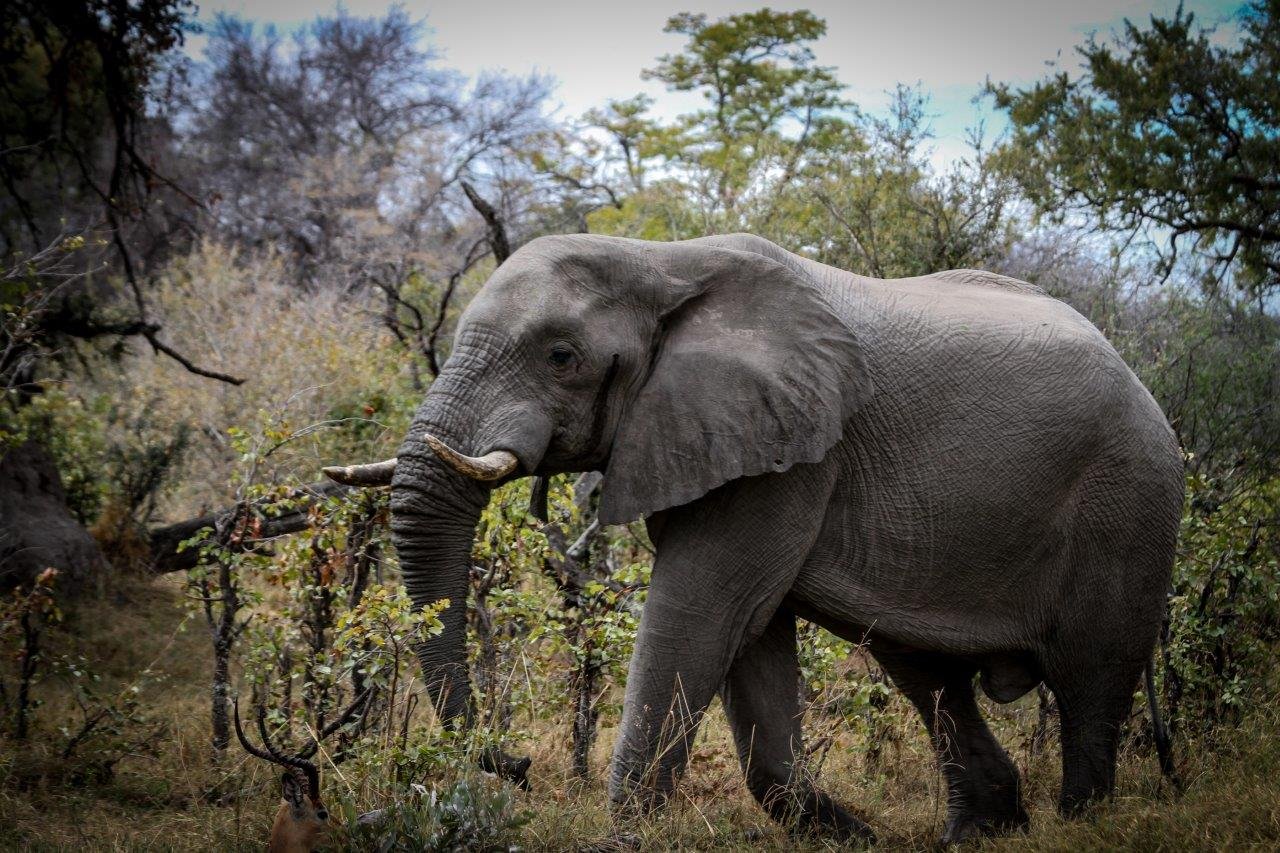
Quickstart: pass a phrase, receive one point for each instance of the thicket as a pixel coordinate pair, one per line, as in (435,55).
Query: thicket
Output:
(305,219)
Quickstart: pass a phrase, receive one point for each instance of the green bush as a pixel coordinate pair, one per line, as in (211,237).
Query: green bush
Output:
(1224,609)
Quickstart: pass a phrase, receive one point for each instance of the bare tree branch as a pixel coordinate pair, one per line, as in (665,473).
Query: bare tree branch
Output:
(498,241)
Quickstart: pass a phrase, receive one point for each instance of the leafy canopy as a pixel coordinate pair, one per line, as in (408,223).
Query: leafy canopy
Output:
(1165,129)
(755,69)
(772,113)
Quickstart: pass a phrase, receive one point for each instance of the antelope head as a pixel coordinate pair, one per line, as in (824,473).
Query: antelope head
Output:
(301,822)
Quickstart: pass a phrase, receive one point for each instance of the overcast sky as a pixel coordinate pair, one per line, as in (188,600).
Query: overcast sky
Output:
(596,50)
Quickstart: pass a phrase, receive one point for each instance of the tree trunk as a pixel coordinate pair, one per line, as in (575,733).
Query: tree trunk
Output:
(586,712)
(38,530)
(221,690)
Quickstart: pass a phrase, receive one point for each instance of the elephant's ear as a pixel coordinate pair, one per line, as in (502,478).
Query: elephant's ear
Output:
(752,372)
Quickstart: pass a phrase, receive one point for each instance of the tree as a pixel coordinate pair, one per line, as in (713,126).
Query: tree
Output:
(598,161)
(779,152)
(883,210)
(1165,132)
(635,135)
(772,112)
(289,137)
(86,203)
(74,124)
(769,104)
(353,154)
(82,180)
(755,70)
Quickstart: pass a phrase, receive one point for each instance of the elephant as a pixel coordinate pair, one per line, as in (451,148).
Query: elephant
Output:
(957,469)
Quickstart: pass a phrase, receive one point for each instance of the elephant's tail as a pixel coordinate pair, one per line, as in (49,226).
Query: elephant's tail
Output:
(1159,731)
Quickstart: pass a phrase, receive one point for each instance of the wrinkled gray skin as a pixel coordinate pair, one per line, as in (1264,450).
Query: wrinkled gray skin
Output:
(957,468)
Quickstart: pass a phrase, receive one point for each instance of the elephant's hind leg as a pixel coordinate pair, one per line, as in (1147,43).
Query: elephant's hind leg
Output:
(764,711)
(1094,701)
(1117,574)
(983,786)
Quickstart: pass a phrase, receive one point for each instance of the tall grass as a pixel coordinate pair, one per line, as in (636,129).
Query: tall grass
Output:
(157,798)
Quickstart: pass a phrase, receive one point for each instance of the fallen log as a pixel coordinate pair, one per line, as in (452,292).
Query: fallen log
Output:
(165,541)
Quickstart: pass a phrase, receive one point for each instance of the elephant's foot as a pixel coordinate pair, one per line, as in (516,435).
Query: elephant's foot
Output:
(818,814)
(840,826)
(984,799)
(968,825)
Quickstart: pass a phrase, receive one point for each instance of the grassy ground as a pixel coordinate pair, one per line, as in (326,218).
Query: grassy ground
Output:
(157,797)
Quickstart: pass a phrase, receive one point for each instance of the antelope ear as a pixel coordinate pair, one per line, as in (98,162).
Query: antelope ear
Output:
(753,372)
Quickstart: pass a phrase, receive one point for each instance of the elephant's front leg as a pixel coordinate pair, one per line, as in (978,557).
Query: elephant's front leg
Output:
(724,565)
(760,699)
(678,663)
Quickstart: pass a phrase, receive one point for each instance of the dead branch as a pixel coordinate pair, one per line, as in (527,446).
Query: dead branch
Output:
(498,241)
(165,556)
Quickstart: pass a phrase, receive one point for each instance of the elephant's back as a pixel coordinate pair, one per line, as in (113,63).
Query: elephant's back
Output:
(995,335)
(978,327)
(1004,356)
(983,279)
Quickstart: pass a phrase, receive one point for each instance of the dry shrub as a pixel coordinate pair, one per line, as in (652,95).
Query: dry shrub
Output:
(302,355)
(122,541)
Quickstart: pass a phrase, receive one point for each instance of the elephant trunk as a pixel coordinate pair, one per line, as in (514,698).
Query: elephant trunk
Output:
(436,500)
(434,512)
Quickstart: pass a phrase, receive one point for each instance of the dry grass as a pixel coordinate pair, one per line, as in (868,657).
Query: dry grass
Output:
(158,797)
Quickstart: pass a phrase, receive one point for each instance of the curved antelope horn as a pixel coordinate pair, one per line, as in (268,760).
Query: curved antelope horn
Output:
(492,466)
(374,474)
(297,762)
(244,741)
(269,752)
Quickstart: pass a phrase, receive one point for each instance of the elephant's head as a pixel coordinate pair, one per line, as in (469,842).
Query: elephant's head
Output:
(672,367)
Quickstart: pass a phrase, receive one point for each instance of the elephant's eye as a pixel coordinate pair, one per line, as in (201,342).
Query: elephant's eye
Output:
(560,356)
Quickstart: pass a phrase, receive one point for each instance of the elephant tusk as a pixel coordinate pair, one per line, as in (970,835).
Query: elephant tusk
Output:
(374,474)
(492,466)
